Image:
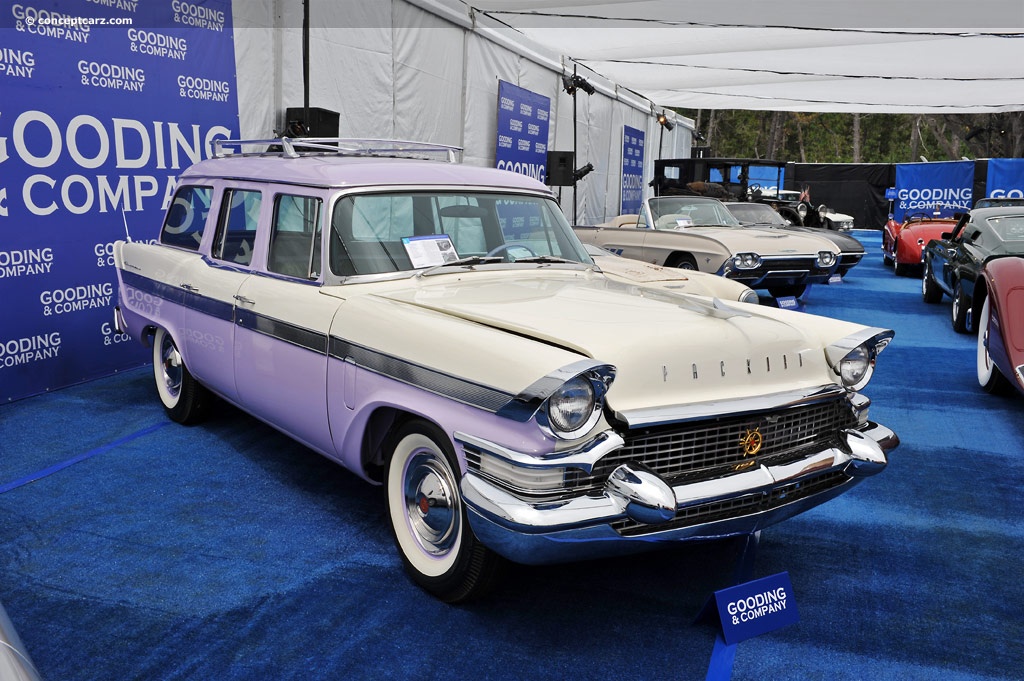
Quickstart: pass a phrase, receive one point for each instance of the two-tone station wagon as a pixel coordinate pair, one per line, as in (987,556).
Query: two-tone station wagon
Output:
(438,329)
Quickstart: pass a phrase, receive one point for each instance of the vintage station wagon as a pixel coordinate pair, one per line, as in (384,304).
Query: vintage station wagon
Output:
(439,330)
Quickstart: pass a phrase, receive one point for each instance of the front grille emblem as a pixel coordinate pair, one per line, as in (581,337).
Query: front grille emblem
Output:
(752,442)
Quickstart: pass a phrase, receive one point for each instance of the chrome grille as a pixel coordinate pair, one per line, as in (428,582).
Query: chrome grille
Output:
(712,448)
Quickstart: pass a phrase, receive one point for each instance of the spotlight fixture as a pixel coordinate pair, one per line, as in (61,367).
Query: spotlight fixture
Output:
(665,122)
(580,173)
(574,82)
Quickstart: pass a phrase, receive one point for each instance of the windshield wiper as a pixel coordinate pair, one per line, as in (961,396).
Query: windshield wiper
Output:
(468,261)
(547,259)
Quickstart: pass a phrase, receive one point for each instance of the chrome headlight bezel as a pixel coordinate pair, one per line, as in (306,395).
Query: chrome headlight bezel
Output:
(853,358)
(801,210)
(750,296)
(746,261)
(826,259)
(545,400)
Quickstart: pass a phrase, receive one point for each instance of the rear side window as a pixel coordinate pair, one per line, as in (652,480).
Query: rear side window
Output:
(236,229)
(183,226)
(295,239)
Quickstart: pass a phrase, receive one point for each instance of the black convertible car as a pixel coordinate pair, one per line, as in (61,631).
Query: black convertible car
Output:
(952,263)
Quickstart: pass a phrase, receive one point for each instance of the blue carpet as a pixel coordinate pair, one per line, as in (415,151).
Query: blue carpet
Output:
(226,551)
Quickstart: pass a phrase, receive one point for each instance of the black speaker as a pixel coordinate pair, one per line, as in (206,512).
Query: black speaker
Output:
(321,123)
(560,168)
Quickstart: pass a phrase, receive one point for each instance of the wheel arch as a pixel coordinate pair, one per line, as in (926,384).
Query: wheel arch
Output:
(380,424)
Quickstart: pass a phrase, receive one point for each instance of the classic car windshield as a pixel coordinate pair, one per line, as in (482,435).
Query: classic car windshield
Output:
(1008,227)
(394,232)
(679,212)
(757,213)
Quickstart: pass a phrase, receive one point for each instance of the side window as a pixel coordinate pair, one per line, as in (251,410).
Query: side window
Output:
(295,239)
(183,226)
(236,228)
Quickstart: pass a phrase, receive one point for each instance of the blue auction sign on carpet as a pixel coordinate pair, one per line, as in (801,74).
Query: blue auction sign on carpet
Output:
(104,104)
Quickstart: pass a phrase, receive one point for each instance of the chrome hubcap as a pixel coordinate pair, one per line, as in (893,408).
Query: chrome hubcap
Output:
(431,503)
(171,366)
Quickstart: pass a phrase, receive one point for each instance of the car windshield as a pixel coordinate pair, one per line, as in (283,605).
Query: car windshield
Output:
(757,213)
(405,231)
(680,212)
(1008,227)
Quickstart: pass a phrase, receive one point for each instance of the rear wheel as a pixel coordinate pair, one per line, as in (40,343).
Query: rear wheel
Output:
(930,291)
(961,306)
(989,376)
(428,517)
(184,399)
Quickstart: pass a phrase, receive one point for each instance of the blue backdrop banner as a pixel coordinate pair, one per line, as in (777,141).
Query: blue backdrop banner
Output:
(1005,178)
(769,178)
(523,124)
(941,188)
(104,103)
(632,170)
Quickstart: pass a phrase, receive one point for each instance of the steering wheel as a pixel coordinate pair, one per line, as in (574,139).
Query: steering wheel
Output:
(917,216)
(504,248)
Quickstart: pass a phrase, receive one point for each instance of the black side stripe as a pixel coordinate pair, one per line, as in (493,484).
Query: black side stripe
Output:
(458,389)
(431,380)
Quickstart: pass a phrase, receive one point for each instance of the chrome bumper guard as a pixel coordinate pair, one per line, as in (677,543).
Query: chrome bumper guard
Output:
(638,507)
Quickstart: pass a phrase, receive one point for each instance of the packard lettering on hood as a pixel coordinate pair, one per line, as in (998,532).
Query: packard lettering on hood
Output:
(440,330)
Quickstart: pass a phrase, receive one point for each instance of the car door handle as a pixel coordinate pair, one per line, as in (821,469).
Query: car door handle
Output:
(188,287)
(242,300)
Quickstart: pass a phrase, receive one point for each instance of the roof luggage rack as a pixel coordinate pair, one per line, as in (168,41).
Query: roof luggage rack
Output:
(289,147)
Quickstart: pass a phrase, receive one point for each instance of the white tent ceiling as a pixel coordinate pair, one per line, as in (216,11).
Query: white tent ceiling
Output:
(786,55)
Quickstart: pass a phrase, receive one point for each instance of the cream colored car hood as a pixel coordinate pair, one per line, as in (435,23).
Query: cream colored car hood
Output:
(669,349)
(764,241)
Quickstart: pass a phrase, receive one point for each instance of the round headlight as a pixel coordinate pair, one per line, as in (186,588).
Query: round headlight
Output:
(746,261)
(822,211)
(855,369)
(570,408)
(801,210)
(826,259)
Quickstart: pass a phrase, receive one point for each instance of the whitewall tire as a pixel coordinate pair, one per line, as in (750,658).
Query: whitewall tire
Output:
(989,376)
(428,517)
(184,399)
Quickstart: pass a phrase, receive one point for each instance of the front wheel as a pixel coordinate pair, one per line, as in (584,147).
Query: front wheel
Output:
(683,261)
(784,291)
(428,517)
(930,291)
(961,306)
(184,399)
(989,377)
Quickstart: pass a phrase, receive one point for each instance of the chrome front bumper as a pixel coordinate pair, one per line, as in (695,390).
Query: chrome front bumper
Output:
(590,526)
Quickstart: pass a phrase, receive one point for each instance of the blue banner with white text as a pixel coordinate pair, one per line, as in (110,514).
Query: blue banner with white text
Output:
(104,103)
(1005,179)
(523,124)
(938,189)
(632,170)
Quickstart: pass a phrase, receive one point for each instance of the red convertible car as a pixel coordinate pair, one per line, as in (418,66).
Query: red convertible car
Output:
(1001,326)
(903,243)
